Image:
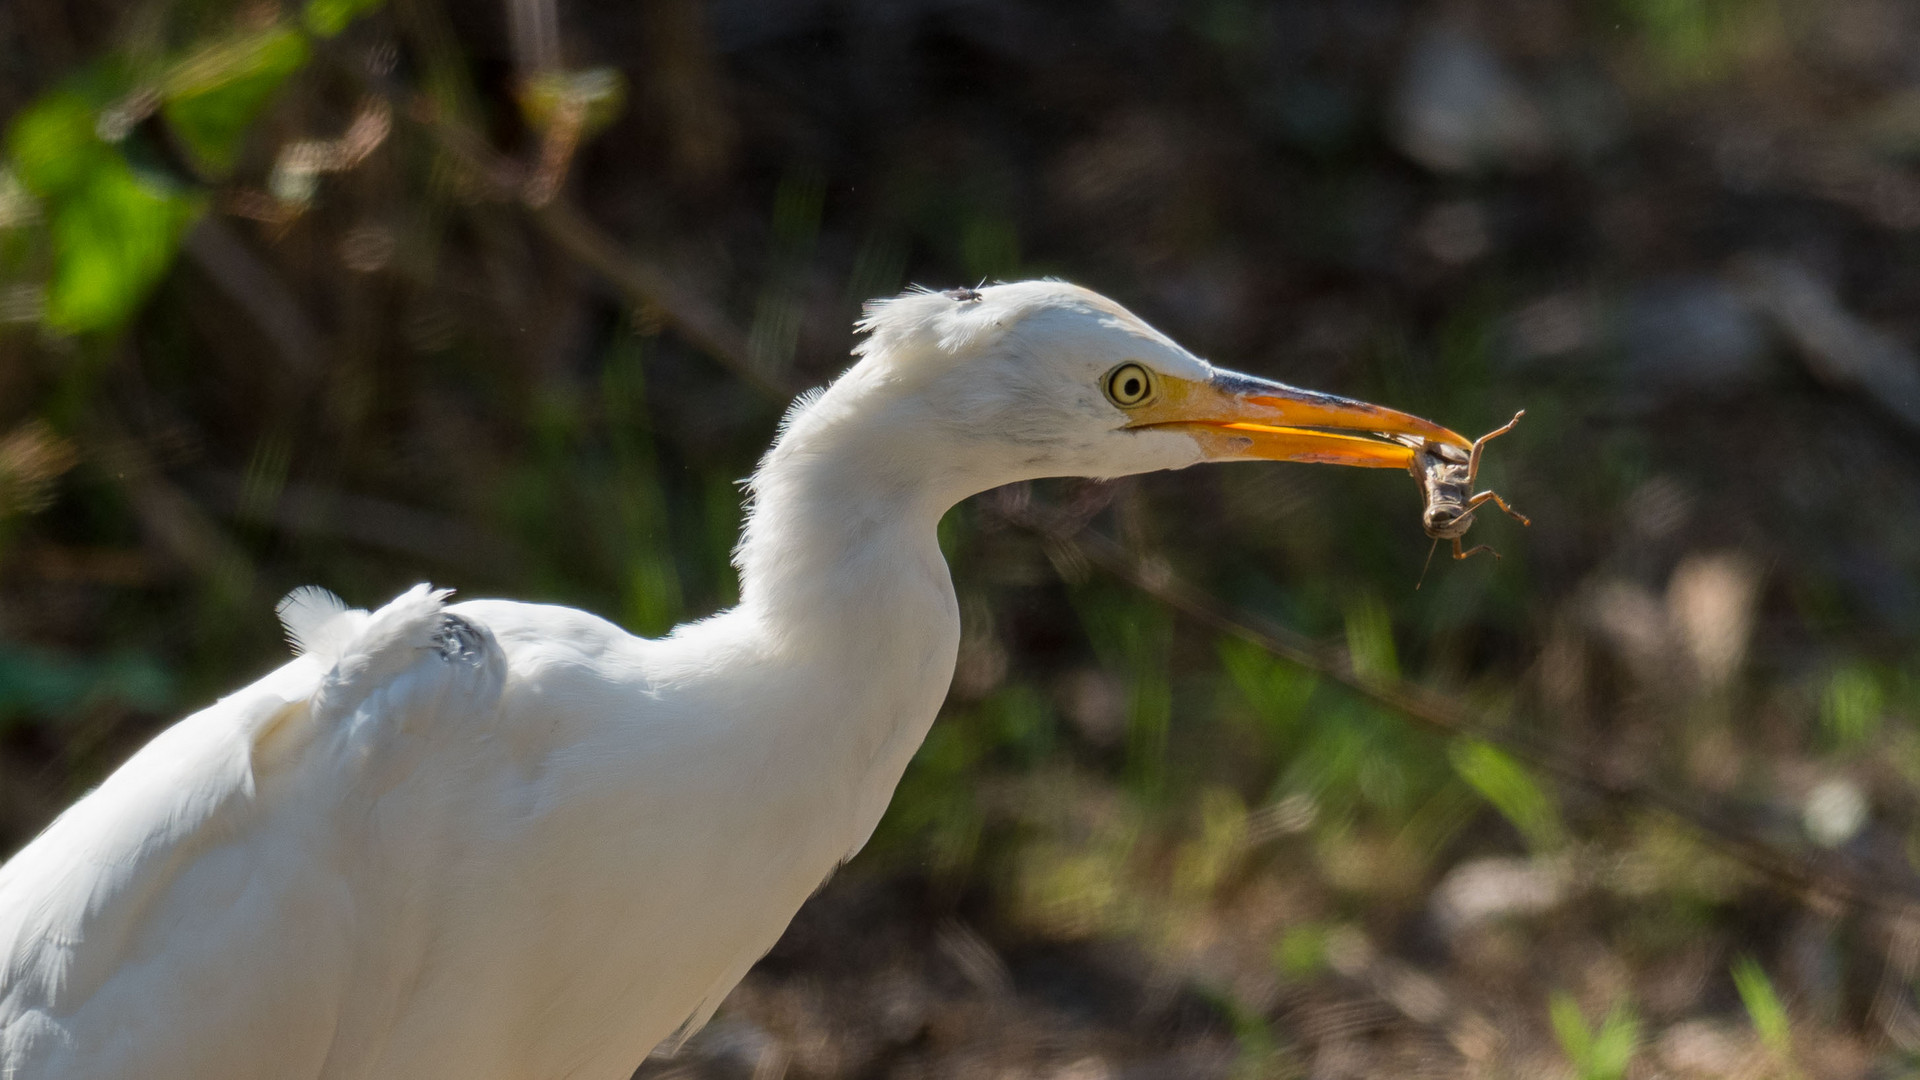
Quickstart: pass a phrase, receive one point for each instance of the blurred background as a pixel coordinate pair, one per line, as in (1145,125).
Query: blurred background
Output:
(509,294)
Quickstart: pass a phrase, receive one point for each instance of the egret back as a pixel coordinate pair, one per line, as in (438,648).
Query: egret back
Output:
(194,916)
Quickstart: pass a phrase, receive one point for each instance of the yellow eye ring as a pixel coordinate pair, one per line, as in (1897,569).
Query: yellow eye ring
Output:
(1129,385)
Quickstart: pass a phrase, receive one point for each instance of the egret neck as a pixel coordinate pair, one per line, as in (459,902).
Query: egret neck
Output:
(841,573)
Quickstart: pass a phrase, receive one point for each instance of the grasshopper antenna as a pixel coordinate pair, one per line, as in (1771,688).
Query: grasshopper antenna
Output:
(1431,548)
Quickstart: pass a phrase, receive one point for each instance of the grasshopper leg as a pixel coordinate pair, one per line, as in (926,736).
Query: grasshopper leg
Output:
(1473,458)
(1469,553)
(1489,497)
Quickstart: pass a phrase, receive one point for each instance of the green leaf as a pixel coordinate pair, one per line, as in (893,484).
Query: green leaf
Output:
(1693,41)
(1132,636)
(326,18)
(1614,1046)
(1370,638)
(654,597)
(1595,1055)
(595,95)
(1569,1027)
(212,97)
(1851,707)
(112,232)
(38,683)
(113,237)
(1505,784)
(53,146)
(1022,723)
(1301,952)
(1278,691)
(1763,1006)
(934,813)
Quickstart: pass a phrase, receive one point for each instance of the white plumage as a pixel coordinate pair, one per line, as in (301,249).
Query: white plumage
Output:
(505,841)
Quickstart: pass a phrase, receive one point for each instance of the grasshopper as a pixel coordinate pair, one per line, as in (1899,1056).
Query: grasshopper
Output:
(1445,474)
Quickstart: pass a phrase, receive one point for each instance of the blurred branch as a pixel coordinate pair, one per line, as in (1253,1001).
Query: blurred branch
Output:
(652,288)
(1839,348)
(646,284)
(1829,874)
(256,289)
(535,28)
(171,520)
(307,510)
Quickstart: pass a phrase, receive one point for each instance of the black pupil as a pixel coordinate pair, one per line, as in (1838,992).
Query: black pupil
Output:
(1131,387)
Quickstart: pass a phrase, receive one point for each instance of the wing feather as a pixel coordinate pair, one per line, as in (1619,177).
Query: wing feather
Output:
(316,621)
(146,931)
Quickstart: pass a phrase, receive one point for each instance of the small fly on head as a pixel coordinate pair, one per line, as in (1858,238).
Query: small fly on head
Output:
(964,295)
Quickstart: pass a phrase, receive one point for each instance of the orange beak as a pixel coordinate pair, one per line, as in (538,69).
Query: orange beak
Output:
(1238,417)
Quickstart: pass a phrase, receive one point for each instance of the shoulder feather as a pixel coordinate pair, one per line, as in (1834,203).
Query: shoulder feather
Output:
(317,622)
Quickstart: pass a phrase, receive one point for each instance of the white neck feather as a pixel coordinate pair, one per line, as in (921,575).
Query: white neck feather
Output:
(845,513)
(841,573)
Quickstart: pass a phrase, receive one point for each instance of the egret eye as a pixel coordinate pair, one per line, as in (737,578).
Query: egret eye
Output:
(1129,385)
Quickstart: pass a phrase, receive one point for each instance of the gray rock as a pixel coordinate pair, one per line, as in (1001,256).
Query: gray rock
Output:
(1458,109)
(1550,327)
(1837,347)
(1487,889)
(1692,334)
(1671,337)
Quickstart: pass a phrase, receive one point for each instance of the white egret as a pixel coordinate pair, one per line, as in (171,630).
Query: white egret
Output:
(504,841)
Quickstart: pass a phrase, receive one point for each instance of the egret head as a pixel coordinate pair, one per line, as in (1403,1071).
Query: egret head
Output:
(1041,378)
